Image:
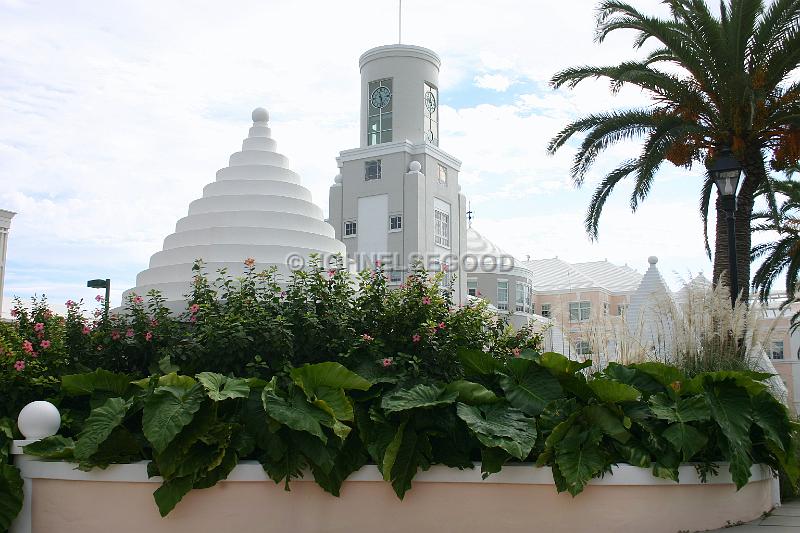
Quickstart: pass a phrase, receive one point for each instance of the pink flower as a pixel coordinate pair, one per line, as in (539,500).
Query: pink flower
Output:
(148,336)
(129,333)
(416,337)
(19,366)
(331,272)
(193,318)
(250,262)
(387,362)
(378,263)
(99,298)
(444,268)
(15,312)
(45,345)
(402,285)
(115,335)
(366,337)
(86,330)
(516,352)
(38,326)
(70,304)
(426,300)
(27,346)
(34,355)
(194,308)
(154,323)
(138,299)
(441,325)
(479,293)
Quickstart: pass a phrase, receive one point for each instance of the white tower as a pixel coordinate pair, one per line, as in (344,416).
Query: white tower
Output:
(256,208)
(5,224)
(397,195)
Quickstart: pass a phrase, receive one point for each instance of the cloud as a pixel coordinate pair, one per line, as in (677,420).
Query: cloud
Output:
(495,82)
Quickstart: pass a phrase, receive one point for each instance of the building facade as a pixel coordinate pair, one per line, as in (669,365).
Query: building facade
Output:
(5,225)
(396,198)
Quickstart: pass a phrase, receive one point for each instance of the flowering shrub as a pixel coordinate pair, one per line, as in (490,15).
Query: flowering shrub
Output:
(330,373)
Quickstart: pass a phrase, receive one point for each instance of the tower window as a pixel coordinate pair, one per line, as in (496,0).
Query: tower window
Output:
(431,117)
(442,174)
(777,350)
(583,348)
(372,170)
(350,228)
(395,222)
(441,235)
(379,119)
(546,310)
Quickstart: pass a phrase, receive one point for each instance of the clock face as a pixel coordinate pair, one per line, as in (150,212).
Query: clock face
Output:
(430,102)
(380,97)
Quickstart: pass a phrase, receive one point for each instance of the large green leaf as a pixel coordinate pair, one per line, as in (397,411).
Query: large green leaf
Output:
(173,456)
(609,422)
(171,492)
(633,377)
(170,380)
(99,380)
(731,410)
(219,387)
(771,416)
(408,452)
(350,458)
(686,439)
(690,409)
(666,375)
(561,365)
(10,495)
(492,460)
(168,410)
(328,374)
(54,447)
(477,362)
(471,393)
(296,413)
(98,427)
(500,426)
(529,387)
(418,397)
(579,457)
(612,391)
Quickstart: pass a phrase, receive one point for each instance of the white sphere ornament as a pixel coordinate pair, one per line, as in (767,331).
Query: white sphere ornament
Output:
(652,260)
(38,420)
(260,115)
(415,166)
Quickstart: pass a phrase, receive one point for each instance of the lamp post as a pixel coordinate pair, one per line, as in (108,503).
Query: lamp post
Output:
(102,284)
(726,171)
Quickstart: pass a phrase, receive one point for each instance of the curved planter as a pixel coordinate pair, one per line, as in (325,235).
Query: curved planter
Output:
(521,498)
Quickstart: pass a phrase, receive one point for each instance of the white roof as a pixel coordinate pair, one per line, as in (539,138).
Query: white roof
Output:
(558,275)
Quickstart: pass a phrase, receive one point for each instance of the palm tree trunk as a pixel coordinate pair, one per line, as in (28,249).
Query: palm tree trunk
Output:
(754,174)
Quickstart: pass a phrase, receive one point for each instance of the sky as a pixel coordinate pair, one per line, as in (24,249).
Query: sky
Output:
(114,115)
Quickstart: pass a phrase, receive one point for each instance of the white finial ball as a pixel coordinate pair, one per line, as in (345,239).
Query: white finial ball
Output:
(652,260)
(38,420)
(415,166)
(260,115)
(337,179)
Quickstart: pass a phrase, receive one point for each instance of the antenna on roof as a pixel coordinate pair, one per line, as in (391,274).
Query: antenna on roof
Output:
(469,215)
(400,23)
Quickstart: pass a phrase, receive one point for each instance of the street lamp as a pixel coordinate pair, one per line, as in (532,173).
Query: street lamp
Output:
(102,284)
(726,171)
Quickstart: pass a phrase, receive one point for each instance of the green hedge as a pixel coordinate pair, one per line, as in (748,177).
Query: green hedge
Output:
(539,408)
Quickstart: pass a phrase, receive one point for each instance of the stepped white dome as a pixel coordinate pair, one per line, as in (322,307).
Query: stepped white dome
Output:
(256,208)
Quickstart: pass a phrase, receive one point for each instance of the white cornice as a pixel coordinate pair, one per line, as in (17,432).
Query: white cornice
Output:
(406,146)
(399,50)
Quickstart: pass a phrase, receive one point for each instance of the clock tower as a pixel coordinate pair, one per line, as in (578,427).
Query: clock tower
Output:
(396,197)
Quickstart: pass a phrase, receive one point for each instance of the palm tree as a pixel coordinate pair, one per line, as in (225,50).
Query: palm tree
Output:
(715,81)
(783,254)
